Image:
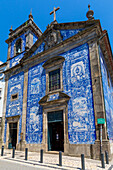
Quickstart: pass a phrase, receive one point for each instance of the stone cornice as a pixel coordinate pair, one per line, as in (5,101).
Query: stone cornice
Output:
(78,25)
(16,55)
(29,24)
(3,65)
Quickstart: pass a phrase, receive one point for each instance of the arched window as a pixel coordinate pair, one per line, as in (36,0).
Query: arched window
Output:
(18,46)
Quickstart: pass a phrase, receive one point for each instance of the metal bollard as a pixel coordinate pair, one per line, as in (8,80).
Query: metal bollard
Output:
(2,151)
(60,158)
(82,162)
(41,156)
(26,153)
(102,160)
(13,153)
(107,157)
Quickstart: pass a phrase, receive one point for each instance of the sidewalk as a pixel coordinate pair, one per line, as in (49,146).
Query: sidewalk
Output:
(52,161)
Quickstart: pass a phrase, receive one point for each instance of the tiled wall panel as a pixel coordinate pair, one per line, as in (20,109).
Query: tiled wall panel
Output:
(108,95)
(77,84)
(14,61)
(36,90)
(69,33)
(14,108)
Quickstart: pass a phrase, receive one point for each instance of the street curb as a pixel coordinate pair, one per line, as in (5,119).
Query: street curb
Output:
(39,164)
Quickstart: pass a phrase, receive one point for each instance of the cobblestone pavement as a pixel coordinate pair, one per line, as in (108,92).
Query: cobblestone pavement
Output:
(52,161)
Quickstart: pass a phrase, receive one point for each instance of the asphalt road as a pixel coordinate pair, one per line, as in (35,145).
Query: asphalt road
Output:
(13,165)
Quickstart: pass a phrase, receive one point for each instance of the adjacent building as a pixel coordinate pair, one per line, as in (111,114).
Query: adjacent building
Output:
(57,84)
(2,88)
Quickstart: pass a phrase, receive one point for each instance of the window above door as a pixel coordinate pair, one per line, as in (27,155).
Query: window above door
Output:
(54,80)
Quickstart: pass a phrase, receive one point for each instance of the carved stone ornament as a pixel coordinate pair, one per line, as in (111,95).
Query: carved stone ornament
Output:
(59,97)
(53,38)
(13,119)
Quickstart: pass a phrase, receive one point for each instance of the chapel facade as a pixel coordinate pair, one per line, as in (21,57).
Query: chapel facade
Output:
(57,85)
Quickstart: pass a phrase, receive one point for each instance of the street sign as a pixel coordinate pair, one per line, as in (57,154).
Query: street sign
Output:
(101,121)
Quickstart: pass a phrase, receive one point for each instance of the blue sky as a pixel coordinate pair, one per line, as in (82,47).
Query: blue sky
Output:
(15,12)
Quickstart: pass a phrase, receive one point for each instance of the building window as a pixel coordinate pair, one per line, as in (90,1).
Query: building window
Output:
(53,68)
(18,46)
(14,97)
(54,80)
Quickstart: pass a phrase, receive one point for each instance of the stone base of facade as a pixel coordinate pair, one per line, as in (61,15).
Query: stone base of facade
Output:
(111,149)
(0,144)
(69,149)
(89,150)
(96,149)
(78,149)
(31,147)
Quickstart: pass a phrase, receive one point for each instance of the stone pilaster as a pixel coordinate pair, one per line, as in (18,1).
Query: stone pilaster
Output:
(24,112)
(4,110)
(9,51)
(98,98)
(29,39)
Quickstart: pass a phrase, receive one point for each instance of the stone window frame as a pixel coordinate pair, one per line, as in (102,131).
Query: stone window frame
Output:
(15,98)
(53,64)
(15,53)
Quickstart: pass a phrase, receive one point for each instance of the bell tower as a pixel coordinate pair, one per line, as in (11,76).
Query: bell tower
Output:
(22,38)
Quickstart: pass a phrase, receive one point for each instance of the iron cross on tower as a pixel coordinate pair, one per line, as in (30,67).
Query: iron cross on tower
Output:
(54,11)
